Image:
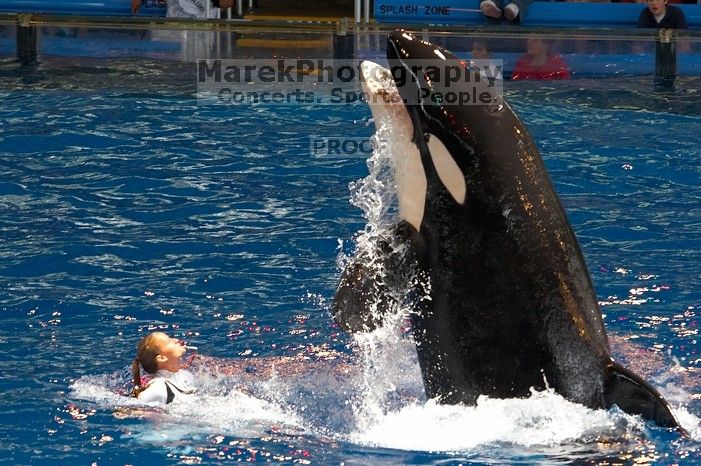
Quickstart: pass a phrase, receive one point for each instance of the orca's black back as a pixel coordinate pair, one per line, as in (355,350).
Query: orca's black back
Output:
(512,305)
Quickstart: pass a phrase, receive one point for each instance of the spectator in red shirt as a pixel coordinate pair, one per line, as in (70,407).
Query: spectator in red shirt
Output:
(539,63)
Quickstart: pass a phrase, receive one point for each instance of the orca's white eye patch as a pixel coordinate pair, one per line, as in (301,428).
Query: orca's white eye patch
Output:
(448,170)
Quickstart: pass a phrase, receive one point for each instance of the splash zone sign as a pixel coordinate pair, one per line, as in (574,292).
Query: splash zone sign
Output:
(428,10)
(436,10)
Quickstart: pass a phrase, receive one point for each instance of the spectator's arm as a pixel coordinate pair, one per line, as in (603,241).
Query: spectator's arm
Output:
(223,3)
(643,20)
(135,5)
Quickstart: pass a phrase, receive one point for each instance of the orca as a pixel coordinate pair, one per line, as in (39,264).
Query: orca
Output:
(510,304)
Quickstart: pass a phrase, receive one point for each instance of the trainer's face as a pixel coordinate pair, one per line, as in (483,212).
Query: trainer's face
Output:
(169,352)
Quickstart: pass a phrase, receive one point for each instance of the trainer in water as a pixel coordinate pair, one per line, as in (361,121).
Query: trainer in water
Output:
(160,356)
(510,304)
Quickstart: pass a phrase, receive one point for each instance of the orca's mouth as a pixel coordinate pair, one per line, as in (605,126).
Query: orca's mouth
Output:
(378,84)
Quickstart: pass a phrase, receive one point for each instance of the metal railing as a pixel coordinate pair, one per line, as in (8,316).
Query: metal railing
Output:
(328,26)
(362,11)
(239,8)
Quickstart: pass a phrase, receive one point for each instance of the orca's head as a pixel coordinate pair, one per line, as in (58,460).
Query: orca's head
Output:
(459,116)
(437,141)
(464,100)
(443,79)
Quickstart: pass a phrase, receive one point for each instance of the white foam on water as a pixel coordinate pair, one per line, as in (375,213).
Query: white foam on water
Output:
(689,421)
(544,419)
(98,389)
(390,377)
(215,408)
(236,413)
(391,410)
(670,383)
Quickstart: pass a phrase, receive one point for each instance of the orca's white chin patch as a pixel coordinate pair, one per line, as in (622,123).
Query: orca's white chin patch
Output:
(395,131)
(377,80)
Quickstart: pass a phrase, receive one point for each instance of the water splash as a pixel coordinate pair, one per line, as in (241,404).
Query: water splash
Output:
(374,195)
(389,377)
(544,419)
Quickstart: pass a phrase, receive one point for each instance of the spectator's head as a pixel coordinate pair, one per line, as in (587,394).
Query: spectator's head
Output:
(536,46)
(657,7)
(480,50)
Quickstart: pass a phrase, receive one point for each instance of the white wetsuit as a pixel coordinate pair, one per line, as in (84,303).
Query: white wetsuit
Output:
(166,387)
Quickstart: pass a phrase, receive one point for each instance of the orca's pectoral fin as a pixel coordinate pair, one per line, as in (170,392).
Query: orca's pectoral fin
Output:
(635,396)
(367,291)
(357,305)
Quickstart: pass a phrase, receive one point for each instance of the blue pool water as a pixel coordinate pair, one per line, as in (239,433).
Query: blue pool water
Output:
(126,211)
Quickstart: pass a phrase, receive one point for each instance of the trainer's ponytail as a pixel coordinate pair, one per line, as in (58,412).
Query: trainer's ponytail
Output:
(146,353)
(136,375)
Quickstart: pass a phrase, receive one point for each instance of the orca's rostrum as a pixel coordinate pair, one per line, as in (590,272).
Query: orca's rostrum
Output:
(511,305)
